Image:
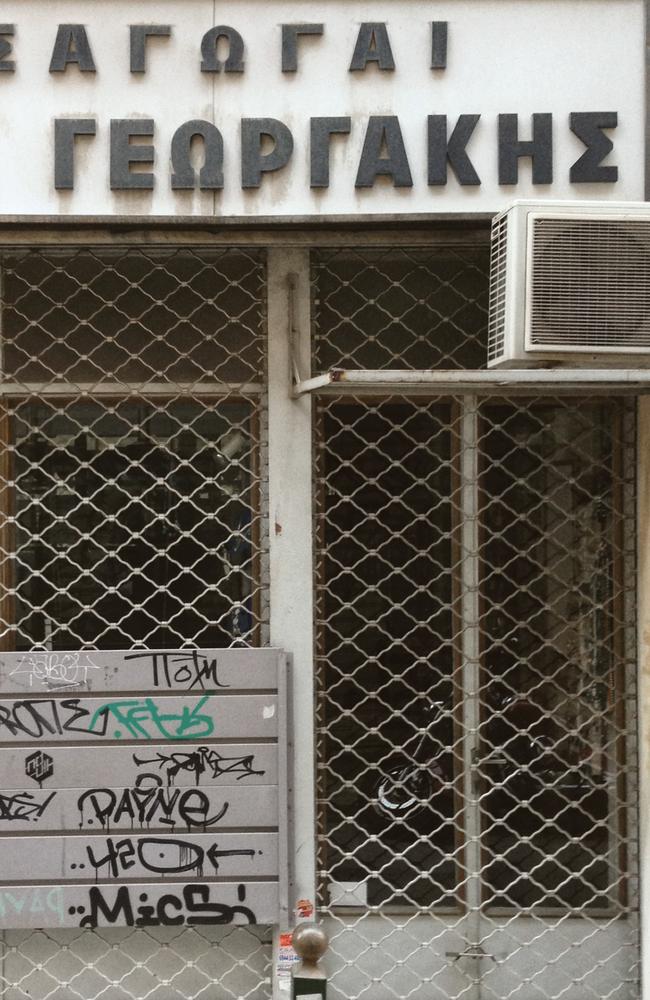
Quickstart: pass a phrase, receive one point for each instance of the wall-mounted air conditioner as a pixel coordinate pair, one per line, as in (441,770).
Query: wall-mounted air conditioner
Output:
(570,284)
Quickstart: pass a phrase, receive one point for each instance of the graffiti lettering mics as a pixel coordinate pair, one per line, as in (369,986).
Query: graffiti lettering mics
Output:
(54,671)
(142,718)
(160,855)
(184,669)
(44,901)
(200,762)
(23,805)
(39,766)
(191,905)
(148,802)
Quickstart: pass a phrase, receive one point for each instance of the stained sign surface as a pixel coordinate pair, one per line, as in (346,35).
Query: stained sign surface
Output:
(257,109)
(143,788)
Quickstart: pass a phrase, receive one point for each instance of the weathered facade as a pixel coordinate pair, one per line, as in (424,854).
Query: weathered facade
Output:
(244,290)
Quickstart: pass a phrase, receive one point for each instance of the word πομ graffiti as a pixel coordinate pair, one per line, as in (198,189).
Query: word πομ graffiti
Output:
(148,802)
(190,904)
(184,669)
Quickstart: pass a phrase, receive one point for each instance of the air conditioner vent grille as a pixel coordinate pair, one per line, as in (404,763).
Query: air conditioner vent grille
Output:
(496,327)
(590,284)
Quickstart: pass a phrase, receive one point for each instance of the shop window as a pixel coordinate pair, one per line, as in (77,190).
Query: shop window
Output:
(131,451)
(473,666)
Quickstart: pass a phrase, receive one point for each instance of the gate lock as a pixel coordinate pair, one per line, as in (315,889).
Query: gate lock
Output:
(471,951)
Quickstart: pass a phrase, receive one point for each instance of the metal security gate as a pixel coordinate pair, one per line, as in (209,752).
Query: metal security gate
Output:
(133,469)
(474,604)
(476,662)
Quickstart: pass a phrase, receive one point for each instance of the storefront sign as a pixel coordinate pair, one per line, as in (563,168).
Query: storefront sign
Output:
(101,793)
(289,108)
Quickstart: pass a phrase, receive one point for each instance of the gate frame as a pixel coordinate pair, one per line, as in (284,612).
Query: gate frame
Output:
(288,241)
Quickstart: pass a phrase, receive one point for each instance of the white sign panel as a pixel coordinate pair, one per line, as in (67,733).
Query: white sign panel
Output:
(306,109)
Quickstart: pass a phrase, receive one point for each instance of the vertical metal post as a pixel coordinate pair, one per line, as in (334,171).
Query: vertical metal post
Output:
(290,534)
(643,542)
(285,792)
(470,644)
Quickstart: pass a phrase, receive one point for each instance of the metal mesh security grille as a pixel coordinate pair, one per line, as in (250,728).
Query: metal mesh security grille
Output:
(132,471)
(476,713)
(398,308)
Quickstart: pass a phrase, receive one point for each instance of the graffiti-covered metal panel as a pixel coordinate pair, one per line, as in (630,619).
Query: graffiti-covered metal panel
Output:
(139,856)
(180,904)
(146,718)
(184,764)
(180,779)
(138,670)
(149,803)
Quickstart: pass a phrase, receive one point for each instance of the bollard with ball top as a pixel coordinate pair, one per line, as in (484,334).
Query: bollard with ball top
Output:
(309,981)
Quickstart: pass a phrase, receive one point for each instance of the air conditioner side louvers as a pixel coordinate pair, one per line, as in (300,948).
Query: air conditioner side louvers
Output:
(498,275)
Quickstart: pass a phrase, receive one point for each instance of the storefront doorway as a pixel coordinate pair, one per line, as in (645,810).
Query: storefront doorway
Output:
(477,690)
(474,601)
(476,661)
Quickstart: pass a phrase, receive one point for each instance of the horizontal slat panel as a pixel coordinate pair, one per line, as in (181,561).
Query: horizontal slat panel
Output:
(144,905)
(147,807)
(139,785)
(160,717)
(61,673)
(183,765)
(128,858)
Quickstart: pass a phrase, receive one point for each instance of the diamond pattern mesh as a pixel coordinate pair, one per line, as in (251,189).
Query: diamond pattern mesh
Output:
(157,963)
(476,675)
(132,471)
(475,658)
(398,308)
